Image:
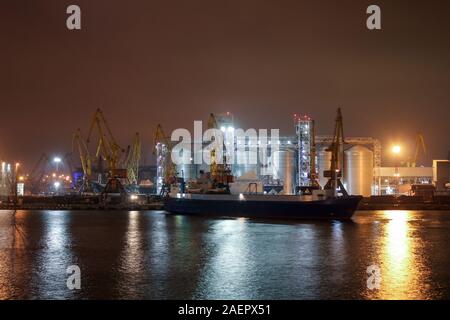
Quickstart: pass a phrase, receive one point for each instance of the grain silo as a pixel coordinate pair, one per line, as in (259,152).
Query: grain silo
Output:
(283,162)
(323,163)
(358,172)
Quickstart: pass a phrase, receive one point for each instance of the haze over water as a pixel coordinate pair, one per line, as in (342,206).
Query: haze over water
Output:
(151,255)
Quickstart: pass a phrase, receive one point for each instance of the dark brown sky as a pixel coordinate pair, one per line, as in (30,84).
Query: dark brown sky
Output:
(173,62)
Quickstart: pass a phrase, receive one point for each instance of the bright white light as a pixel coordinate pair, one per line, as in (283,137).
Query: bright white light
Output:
(222,129)
(133,197)
(230,129)
(241,196)
(57,184)
(396,149)
(57,159)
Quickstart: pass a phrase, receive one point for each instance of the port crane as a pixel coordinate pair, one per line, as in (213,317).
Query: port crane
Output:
(166,169)
(335,173)
(132,160)
(37,174)
(110,151)
(85,159)
(420,147)
(220,172)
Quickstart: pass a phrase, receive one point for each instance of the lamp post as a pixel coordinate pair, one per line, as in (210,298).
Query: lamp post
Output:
(396,151)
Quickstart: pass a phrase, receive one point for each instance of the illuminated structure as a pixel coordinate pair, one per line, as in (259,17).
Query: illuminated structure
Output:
(165,168)
(304,129)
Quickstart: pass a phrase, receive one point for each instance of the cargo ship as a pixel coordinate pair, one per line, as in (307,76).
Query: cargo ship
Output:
(262,206)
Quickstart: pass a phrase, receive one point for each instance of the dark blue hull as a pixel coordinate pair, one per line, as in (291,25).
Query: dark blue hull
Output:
(333,208)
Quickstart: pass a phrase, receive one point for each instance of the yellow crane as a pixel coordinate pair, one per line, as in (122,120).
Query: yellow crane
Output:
(110,151)
(220,172)
(107,147)
(132,160)
(166,169)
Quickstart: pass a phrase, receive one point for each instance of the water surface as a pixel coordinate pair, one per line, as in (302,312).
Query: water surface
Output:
(152,255)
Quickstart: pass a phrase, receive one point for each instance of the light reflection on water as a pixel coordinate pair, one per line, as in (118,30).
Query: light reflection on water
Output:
(152,255)
(402,258)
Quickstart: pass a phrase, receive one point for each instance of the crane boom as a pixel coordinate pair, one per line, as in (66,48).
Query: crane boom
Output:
(132,160)
(107,146)
(420,145)
(83,153)
(35,176)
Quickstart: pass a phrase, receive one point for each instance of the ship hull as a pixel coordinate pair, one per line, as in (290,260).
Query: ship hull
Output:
(340,208)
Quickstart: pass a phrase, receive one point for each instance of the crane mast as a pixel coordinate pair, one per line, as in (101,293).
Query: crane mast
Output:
(133,159)
(220,172)
(335,172)
(166,169)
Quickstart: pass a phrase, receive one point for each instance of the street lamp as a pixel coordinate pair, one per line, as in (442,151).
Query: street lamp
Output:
(396,149)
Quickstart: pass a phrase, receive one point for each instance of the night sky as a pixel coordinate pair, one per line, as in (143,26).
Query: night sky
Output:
(172,62)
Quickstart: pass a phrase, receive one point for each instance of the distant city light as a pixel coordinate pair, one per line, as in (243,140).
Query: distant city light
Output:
(57,184)
(57,159)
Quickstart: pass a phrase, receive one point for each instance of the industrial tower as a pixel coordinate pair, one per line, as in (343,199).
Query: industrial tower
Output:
(304,129)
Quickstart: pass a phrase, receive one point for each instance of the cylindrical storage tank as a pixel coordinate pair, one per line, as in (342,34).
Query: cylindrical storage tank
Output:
(283,162)
(323,163)
(358,173)
(263,164)
(245,161)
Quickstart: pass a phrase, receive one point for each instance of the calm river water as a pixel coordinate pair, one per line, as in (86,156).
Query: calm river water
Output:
(151,255)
